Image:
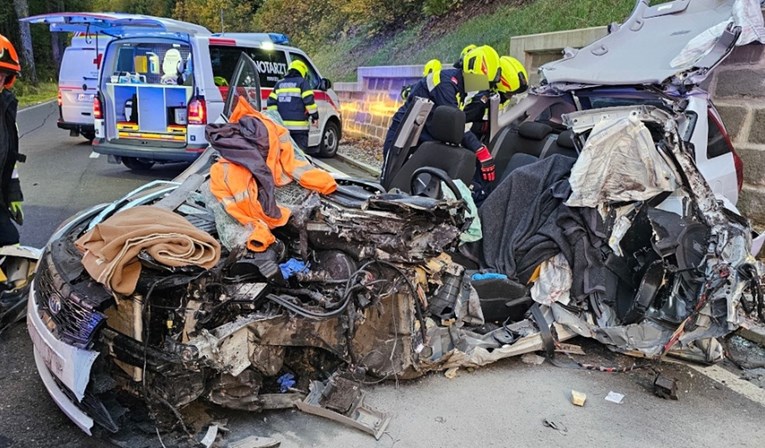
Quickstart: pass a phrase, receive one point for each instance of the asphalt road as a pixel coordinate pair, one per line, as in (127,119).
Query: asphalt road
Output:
(501,405)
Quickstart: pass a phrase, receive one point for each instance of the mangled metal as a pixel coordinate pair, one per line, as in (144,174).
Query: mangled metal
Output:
(383,291)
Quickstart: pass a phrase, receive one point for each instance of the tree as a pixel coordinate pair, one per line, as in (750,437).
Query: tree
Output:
(28,55)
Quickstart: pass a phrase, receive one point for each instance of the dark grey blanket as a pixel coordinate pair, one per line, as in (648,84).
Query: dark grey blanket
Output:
(246,143)
(525,222)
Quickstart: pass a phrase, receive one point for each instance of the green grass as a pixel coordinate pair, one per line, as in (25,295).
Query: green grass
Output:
(29,94)
(338,60)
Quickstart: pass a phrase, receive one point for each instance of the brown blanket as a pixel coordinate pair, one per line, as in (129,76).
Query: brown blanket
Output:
(111,248)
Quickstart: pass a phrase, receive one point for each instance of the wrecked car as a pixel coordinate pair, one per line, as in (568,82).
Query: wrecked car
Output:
(185,291)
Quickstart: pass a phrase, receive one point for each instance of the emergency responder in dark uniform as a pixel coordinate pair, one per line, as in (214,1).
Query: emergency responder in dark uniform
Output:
(293,98)
(513,80)
(10,188)
(480,69)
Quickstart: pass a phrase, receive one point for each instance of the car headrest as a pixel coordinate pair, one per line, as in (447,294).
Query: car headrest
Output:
(566,139)
(533,130)
(447,125)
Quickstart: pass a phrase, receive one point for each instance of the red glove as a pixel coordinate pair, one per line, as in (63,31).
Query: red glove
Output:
(488,171)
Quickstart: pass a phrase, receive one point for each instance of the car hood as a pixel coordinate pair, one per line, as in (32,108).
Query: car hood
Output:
(677,42)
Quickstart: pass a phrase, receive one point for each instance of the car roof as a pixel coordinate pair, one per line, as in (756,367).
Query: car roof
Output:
(644,50)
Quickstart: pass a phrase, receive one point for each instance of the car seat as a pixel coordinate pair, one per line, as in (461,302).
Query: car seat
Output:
(447,127)
(171,66)
(529,138)
(405,139)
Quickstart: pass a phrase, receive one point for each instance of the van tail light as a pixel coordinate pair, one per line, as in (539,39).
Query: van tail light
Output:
(59,101)
(739,164)
(197,111)
(98,113)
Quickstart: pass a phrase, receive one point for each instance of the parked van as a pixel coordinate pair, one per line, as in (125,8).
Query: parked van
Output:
(78,83)
(162,80)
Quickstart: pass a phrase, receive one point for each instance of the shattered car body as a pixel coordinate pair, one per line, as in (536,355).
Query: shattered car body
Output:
(373,284)
(383,298)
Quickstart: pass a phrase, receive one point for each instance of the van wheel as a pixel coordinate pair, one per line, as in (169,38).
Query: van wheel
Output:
(330,140)
(136,164)
(89,135)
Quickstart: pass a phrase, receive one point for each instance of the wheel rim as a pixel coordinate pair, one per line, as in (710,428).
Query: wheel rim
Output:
(330,139)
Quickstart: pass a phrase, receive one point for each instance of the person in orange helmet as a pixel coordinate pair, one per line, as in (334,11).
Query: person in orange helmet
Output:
(10,187)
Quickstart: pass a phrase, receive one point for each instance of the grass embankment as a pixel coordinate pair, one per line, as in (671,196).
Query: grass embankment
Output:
(29,94)
(443,38)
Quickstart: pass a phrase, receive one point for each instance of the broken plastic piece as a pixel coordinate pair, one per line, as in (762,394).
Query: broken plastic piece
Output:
(255,442)
(286,382)
(615,397)
(342,400)
(291,267)
(665,387)
(451,373)
(578,398)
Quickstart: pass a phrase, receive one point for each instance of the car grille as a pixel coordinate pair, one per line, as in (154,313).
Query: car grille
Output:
(70,319)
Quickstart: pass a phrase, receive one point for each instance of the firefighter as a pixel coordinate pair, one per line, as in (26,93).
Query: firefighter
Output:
(513,80)
(10,187)
(479,70)
(292,97)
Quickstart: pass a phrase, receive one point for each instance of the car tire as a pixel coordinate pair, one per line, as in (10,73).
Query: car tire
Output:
(330,140)
(89,135)
(136,164)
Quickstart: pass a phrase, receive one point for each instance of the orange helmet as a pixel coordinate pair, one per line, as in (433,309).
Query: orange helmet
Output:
(9,61)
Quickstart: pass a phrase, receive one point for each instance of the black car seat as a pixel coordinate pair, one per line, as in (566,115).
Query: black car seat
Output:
(529,138)
(447,127)
(563,145)
(405,140)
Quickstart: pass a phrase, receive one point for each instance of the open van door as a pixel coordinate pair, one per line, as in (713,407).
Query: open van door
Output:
(244,82)
(114,24)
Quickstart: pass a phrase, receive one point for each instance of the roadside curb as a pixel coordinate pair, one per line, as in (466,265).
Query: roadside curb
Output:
(753,332)
(360,165)
(35,106)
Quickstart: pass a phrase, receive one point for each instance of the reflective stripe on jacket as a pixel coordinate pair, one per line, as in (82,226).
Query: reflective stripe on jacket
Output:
(293,98)
(236,188)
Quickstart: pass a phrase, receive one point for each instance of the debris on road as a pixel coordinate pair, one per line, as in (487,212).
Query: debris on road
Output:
(255,442)
(556,425)
(578,398)
(451,373)
(533,359)
(665,387)
(342,400)
(615,397)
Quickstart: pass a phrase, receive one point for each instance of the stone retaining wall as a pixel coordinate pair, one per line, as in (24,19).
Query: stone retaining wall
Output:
(738,89)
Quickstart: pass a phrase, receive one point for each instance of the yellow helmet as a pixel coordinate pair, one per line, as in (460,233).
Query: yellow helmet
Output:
(480,68)
(300,67)
(466,50)
(432,66)
(513,77)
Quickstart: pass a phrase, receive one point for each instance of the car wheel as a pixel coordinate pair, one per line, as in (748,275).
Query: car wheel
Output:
(330,140)
(89,135)
(136,164)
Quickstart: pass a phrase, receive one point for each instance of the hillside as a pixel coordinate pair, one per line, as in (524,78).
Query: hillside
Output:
(491,22)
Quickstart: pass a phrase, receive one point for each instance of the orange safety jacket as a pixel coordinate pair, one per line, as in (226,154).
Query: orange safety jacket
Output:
(237,189)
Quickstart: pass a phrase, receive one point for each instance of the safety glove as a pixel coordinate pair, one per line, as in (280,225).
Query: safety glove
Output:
(488,170)
(314,119)
(17,212)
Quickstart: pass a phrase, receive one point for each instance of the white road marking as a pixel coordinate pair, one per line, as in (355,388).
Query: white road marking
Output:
(732,382)
(35,106)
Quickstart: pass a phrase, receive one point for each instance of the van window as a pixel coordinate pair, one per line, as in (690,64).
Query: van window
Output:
(312,76)
(79,67)
(153,63)
(271,64)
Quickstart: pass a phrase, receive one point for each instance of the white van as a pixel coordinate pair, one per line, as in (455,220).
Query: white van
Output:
(162,81)
(78,83)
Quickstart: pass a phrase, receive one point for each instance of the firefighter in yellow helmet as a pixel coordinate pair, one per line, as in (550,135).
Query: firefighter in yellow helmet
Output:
(447,87)
(10,187)
(292,97)
(513,79)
